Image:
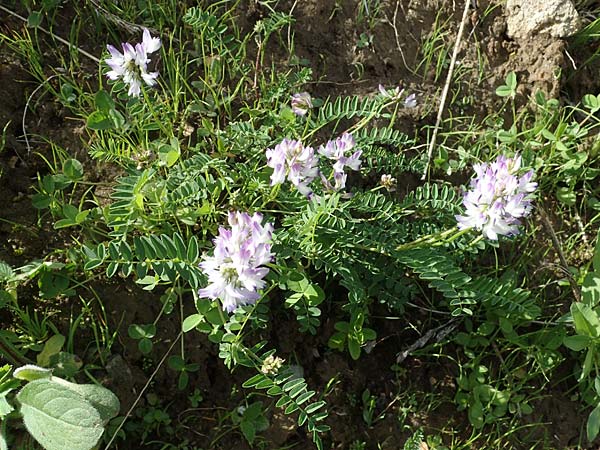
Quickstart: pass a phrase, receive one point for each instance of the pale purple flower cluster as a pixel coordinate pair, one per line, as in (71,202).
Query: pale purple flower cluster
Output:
(235,272)
(132,64)
(293,160)
(341,151)
(301,103)
(498,198)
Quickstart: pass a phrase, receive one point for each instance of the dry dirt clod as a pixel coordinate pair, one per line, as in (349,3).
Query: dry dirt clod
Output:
(526,18)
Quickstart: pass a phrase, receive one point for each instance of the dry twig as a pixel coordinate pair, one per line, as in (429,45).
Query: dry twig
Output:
(142,392)
(561,256)
(446,87)
(438,334)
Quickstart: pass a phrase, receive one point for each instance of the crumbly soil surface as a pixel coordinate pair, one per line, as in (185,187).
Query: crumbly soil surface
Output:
(327,35)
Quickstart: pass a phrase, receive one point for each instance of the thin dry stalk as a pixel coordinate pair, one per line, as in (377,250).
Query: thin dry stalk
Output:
(446,87)
(139,397)
(561,256)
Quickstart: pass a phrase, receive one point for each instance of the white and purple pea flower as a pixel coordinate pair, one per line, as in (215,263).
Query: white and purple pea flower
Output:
(499,197)
(236,270)
(132,65)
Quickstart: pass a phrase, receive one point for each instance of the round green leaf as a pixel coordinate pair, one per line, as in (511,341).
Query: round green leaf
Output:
(137,331)
(183,381)
(526,409)
(73,169)
(41,201)
(176,362)
(145,346)
(35,19)
(99,120)
(51,347)
(103,101)
(65,364)
(503,91)
(191,322)
(476,414)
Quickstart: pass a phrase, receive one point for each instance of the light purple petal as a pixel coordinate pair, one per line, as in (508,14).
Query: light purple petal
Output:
(150,44)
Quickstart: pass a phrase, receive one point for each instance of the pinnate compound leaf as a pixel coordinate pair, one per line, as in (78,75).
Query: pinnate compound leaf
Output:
(59,418)
(292,384)
(254,380)
(283,401)
(314,406)
(302,418)
(291,408)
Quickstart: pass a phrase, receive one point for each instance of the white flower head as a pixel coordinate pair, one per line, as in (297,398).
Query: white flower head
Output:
(498,198)
(271,365)
(410,101)
(301,103)
(132,65)
(388,182)
(235,271)
(341,152)
(292,160)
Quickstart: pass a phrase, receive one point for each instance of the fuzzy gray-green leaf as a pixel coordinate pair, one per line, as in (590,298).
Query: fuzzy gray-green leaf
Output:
(59,418)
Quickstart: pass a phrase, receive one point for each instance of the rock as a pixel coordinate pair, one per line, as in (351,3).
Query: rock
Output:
(526,18)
